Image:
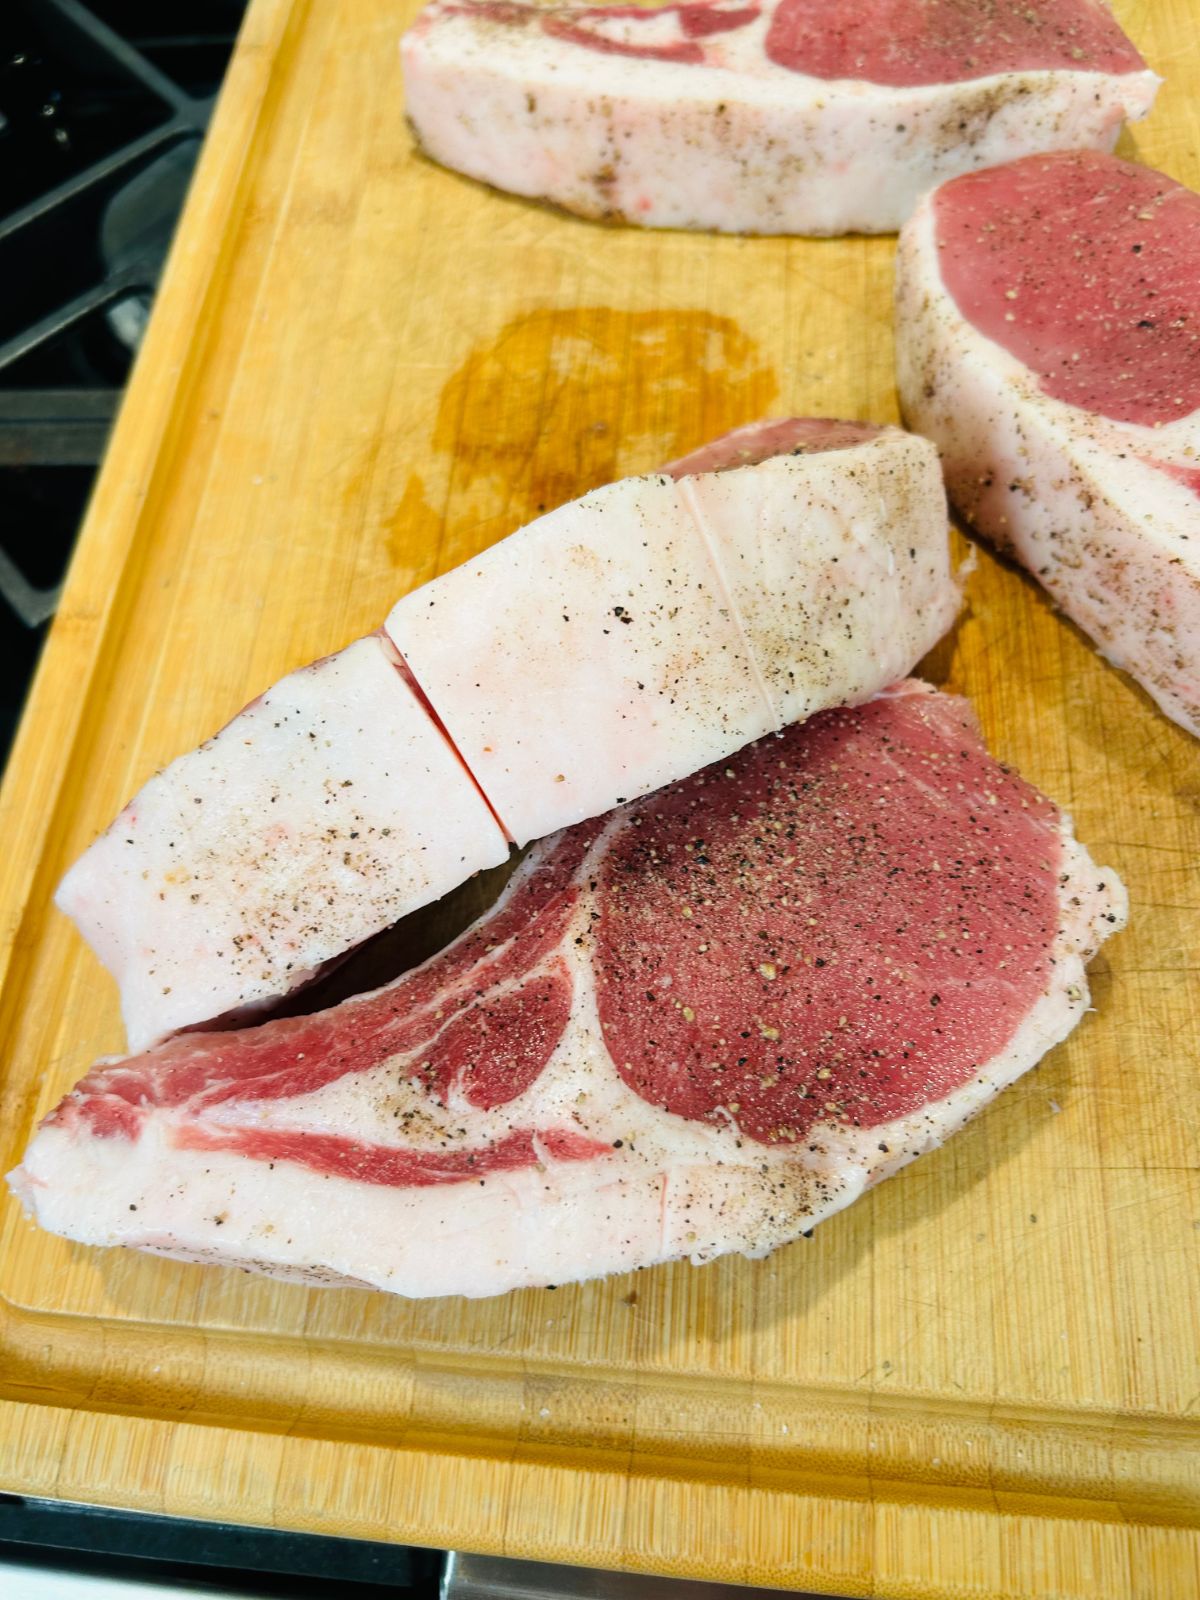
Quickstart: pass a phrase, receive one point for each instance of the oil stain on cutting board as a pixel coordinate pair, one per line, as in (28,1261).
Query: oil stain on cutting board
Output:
(560,402)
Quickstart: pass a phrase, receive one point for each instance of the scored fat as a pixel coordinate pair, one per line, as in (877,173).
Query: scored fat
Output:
(650,627)
(327,807)
(613,646)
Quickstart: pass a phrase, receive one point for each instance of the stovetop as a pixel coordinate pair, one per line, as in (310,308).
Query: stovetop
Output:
(102,110)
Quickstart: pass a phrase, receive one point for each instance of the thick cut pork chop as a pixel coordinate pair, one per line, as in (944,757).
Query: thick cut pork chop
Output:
(785,116)
(613,646)
(1048,340)
(698,1025)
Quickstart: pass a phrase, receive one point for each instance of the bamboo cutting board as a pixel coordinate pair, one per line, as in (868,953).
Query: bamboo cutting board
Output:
(984,1379)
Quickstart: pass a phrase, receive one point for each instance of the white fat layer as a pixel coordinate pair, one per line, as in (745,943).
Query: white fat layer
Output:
(674,1188)
(1070,494)
(738,143)
(675,621)
(838,573)
(324,811)
(588,659)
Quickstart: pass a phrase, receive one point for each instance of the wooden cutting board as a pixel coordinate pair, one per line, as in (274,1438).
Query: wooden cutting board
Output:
(982,1380)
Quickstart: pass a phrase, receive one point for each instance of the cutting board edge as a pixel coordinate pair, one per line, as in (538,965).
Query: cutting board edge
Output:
(538,1511)
(871,1444)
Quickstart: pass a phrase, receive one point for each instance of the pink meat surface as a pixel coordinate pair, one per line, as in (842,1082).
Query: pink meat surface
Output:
(1048,340)
(785,116)
(698,1025)
(904,43)
(1087,269)
(615,645)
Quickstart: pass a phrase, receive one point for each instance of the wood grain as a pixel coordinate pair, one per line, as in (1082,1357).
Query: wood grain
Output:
(983,1380)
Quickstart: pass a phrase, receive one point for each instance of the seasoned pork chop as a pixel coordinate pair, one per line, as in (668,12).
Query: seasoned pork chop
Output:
(761,116)
(698,1025)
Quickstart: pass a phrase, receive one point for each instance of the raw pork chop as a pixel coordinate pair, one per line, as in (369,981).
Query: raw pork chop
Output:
(784,116)
(615,645)
(698,1025)
(1048,339)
